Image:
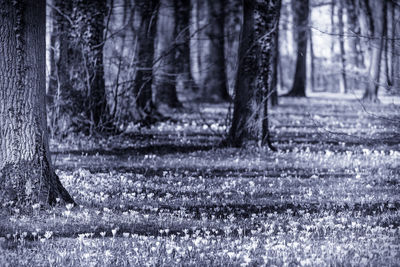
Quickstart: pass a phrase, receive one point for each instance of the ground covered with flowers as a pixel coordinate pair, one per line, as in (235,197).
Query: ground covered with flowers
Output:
(168,195)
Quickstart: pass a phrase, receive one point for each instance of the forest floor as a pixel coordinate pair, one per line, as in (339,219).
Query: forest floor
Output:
(170,196)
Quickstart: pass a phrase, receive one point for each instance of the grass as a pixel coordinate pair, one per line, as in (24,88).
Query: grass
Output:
(169,196)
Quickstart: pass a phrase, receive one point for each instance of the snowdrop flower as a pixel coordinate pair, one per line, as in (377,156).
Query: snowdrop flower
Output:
(114,231)
(48,234)
(24,234)
(126,235)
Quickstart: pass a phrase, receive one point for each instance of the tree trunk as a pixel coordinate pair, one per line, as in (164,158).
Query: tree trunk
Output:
(333,27)
(215,86)
(342,49)
(254,76)
(394,49)
(165,73)
(273,94)
(184,68)
(26,173)
(80,29)
(372,23)
(395,62)
(355,55)
(312,60)
(96,98)
(386,35)
(145,23)
(301,14)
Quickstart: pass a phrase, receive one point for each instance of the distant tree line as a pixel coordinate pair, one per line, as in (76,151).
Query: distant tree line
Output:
(117,61)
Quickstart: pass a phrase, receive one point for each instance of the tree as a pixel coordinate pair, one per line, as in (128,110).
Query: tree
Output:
(79,26)
(372,16)
(341,46)
(26,172)
(215,87)
(355,55)
(183,66)
(273,94)
(254,76)
(145,22)
(300,21)
(165,70)
(395,47)
(312,59)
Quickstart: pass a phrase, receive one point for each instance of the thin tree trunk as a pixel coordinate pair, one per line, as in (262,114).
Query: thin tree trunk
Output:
(184,68)
(333,27)
(301,10)
(374,24)
(215,86)
(395,56)
(355,56)
(26,174)
(395,48)
(273,94)
(199,39)
(145,19)
(165,74)
(342,49)
(312,61)
(96,97)
(386,34)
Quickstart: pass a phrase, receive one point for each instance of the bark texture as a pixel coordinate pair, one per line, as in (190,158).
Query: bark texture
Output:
(26,174)
(255,75)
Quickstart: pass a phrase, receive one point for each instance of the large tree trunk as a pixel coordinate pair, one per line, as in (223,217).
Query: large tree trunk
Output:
(80,73)
(301,14)
(165,73)
(26,173)
(372,22)
(254,76)
(145,22)
(215,86)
